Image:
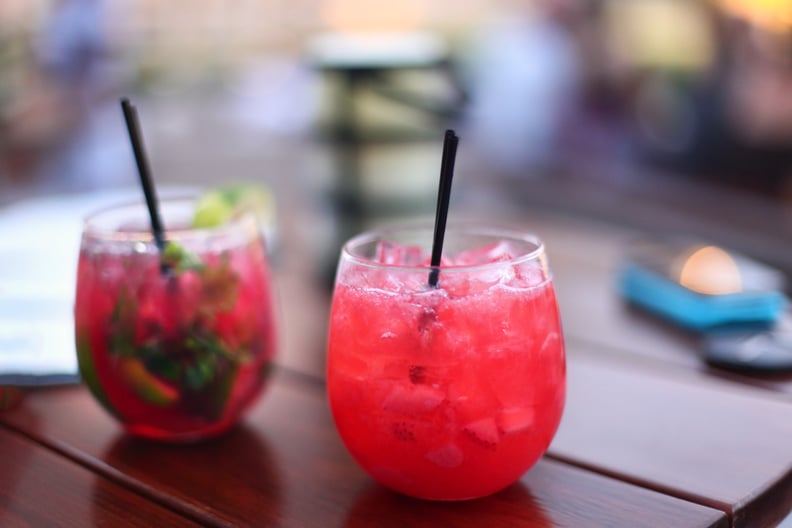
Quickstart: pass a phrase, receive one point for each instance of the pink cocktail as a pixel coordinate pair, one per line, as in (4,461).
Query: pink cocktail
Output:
(176,346)
(452,392)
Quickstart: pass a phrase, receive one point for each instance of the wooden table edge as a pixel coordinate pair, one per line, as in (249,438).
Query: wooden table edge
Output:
(100,468)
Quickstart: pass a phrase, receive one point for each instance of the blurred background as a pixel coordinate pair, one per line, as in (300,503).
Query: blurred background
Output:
(346,100)
(649,116)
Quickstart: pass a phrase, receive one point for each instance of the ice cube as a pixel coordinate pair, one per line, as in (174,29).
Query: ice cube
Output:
(384,281)
(353,367)
(406,398)
(426,320)
(530,274)
(499,251)
(447,456)
(483,432)
(394,254)
(414,256)
(551,344)
(470,394)
(387,252)
(515,419)
(478,282)
(428,297)
(426,261)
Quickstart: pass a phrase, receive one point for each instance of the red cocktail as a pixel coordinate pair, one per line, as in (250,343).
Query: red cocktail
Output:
(452,392)
(175,344)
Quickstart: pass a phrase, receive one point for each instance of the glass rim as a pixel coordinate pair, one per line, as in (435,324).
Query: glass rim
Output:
(508,233)
(93,231)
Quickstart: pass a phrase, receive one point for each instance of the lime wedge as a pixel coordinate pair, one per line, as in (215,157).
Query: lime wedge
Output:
(146,385)
(218,206)
(212,210)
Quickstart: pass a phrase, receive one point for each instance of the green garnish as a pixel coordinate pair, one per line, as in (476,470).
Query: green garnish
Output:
(146,385)
(178,258)
(121,334)
(187,365)
(88,370)
(221,204)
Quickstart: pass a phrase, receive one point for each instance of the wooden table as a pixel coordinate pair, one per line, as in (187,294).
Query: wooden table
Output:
(651,437)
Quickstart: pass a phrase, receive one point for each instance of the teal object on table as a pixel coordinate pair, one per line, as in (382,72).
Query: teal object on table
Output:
(693,310)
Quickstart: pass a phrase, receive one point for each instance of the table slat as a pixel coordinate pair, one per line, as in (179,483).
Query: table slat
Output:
(691,436)
(39,488)
(286,466)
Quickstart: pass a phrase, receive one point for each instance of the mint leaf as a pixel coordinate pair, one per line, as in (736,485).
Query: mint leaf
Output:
(160,363)
(188,356)
(121,331)
(175,256)
(201,373)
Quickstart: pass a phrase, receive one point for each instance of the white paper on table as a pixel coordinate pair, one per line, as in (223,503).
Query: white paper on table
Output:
(39,247)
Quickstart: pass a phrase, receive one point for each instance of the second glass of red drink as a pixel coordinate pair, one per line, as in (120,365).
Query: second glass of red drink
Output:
(452,391)
(174,343)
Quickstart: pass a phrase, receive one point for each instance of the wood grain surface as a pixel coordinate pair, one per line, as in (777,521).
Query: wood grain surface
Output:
(690,436)
(286,466)
(39,489)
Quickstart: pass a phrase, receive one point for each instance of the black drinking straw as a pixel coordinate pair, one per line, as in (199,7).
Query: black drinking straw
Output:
(443,196)
(144,171)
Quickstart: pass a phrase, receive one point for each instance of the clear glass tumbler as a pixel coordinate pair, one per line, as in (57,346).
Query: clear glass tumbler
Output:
(174,344)
(448,392)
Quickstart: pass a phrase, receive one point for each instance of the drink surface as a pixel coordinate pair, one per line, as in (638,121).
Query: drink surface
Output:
(179,354)
(448,393)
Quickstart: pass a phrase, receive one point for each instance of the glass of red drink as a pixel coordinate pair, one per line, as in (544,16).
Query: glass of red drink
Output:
(175,344)
(449,392)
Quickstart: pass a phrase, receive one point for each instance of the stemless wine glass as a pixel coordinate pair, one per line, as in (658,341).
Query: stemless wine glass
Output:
(175,344)
(449,392)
